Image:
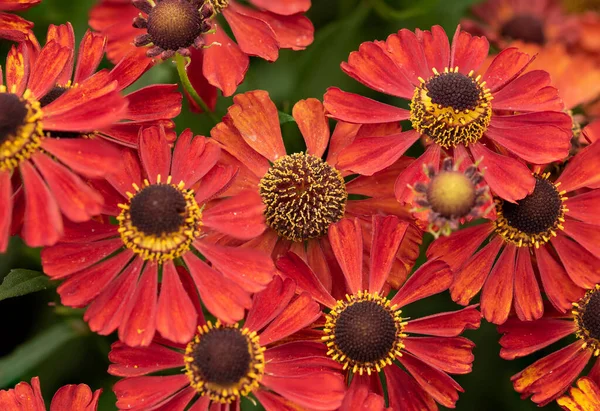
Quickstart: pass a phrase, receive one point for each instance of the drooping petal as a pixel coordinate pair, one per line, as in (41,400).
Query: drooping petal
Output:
(355,108)
(582,267)
(457,248)
(254,36)
(225,65)
(347,244)
(450,324)
(431,278)
(580,170)
(405,393)
(139,393)
(136,361)
(310,117)
(294,32)
(527,299)
(453,355)
(497,293)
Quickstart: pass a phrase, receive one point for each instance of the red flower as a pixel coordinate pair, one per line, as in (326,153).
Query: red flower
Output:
(259,31)
(13,27)
(554,229)
(300,195)
(360,397)
(224,363)
(160,197)
(365,331)
(501,113)
(68,398)
(549,377)
(586,397)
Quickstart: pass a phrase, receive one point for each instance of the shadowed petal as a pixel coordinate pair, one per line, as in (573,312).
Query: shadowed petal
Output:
(450,324)
(497,294)
(405,393)
(347,244)
(453,355)
(269,303)
(388,233)
(431,278)
(528,299)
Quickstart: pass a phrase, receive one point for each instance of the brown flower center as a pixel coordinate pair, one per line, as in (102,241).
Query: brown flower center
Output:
(586,313)
(174,24)
(526,28)
(453,90)
(591,316)
(158,209)
(13,112)
(303,196)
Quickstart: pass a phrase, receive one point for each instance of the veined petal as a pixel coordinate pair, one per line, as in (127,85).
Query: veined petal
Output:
(269,303)
(300,313)
(431,278)
(450,324)
(240,216)
(453,355)
(347,244)
(505,67)
(527,299)
(355,108)
(468,52)
(225,65)
(457,248)
(254,36)
(91,51)
(406,393)
(310,117)
(497,294)
(388,233)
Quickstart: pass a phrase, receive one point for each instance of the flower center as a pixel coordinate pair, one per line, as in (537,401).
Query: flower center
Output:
(364,333)
(161,221)
(174,24)
(20,128)
(526,28)
(303,196)
(534,219)
(451,194)
(451,108)
(587,317)
(224,362)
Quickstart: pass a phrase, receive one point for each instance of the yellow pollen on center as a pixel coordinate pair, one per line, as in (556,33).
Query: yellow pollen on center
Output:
(451,193)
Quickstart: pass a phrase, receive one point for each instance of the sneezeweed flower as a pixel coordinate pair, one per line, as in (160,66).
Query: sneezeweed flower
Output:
(158,202)
(299,195)
(456,106)
(68,398)
(13,27)
(584,397)
(360,397)
(222,364)
(195,27)
(368,333)
(38,135)
(453,196)
(553,229)
(549,377)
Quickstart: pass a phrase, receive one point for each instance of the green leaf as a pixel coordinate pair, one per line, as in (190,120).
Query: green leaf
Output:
(28,355)
(20,282)
(285,118)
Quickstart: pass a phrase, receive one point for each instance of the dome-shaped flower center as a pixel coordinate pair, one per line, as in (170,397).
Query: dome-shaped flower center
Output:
(451,194)
(303,196)
(174,24)
(161,221)
(224,362)
(451,108)
(364,333)
(20,128)
(586,313)
(534,219)
(526,28)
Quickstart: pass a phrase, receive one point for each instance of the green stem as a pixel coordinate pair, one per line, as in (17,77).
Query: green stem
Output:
(187,85)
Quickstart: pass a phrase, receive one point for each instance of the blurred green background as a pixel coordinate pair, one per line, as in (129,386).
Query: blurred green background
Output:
(40,337)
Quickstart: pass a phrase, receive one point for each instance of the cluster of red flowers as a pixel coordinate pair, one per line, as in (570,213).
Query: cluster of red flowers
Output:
(303,261)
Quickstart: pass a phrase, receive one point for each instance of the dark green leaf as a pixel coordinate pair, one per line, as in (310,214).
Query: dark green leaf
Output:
(20,282)
(285,118)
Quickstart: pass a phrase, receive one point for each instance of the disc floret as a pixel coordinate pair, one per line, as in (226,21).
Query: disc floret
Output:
(587,317)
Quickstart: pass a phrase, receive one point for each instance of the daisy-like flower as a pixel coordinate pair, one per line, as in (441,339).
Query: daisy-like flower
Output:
(584,397)
(68,398)
(223,363)
(55,115)
(194,27)
(368,333)
(299,195)
(158,201)
(453,196)
(549,377)
(497,115)
(554,229)
(13,27)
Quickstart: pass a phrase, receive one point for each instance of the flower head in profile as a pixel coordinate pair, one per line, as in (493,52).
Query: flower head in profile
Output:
(195,28)
(157,198)
(549,377)
(222,364)
(553,231)
(584,397)
(297,196)
(68,398)
(58,115)
(369,334)
(13,27)
(499,115)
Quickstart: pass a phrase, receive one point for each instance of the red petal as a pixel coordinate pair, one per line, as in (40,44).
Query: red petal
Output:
(343,135)
(155,154)
(530,92)
(193,157)
(130,67)
(205,90)
(75,398)
(581,265)
(298,358)
(453,355)
(295,268)
(414,173)
(435,46)
(17,69)
(241,216)
(521,338)
(127,174)
(214,183)
(269,303)
(407,52)
(142,393)
(43,223)
(507,177)
(179,401)
(581,170)
(64,36)
(373,66)
(369,155)
(468,52)
(450,324)
(497,294)
(225,65)
(154,102)
(347,244)
(354,108)
(469,279)
(457,248)
(91,51)
(87,232)
(310,117)
(77,200)
(405,393)
(283,7)
(431,278)
(300,313)
(64,259)
(136,361)
(505,67)
(255,37)
(380,184)
(139,323)
(273,402)
(14,28)
(528,299)
(6,205)
(292,32)
(23,397)
(48,66)
(388,232)
(584,207)
(176,316)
